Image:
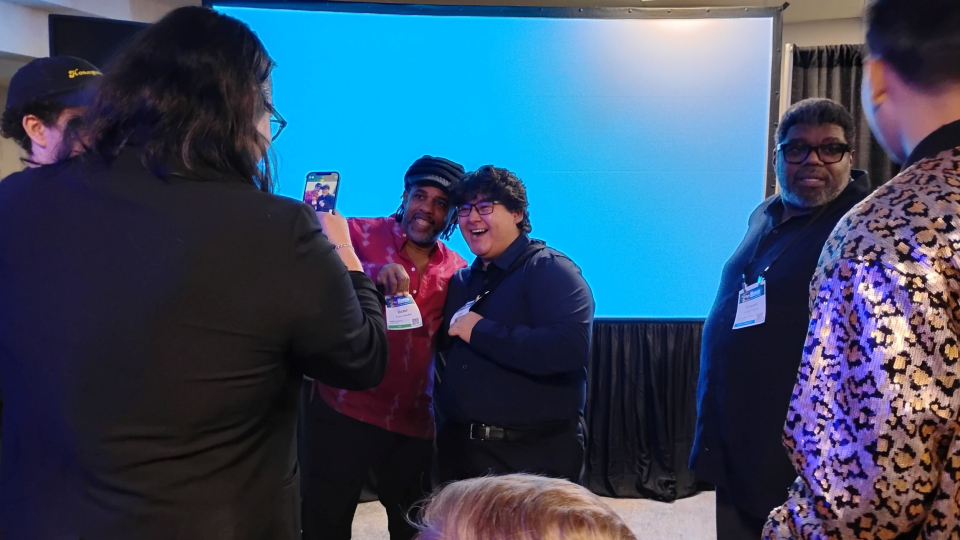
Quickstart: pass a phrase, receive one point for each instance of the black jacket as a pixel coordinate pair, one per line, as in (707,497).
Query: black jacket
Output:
(748,375)
(153,337)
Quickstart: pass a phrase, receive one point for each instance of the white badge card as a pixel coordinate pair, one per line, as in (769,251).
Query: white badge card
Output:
(402,313)
(751,305)
(462,311)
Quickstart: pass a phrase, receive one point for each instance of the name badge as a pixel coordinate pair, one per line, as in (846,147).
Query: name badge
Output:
(462,311)
(402,313)
(751,305)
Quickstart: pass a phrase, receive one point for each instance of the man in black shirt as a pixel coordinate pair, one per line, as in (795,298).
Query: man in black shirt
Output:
(44,97)
(517,325)
(752,349)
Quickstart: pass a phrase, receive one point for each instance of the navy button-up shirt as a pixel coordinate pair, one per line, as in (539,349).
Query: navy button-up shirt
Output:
(526,363)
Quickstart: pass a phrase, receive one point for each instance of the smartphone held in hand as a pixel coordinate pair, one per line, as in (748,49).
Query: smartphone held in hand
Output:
(320,190)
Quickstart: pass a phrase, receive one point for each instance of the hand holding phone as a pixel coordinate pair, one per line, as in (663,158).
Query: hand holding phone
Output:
(337,231)
(335,228)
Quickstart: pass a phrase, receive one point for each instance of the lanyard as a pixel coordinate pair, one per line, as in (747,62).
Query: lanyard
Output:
(444,341)
(532,249)
(786,246)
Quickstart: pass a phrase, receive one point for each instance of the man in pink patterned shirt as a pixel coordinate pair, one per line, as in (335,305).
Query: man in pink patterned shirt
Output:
(391,427)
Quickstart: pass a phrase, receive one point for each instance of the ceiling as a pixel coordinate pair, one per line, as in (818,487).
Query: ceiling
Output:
(799,10)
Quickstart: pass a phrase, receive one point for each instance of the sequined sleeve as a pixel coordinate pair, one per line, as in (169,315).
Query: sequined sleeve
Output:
(872,421)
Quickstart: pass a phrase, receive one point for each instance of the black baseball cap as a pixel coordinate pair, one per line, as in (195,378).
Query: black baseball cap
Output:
(437,171)
(66,80)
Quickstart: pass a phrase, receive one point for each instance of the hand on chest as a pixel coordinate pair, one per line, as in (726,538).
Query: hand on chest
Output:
(501,300)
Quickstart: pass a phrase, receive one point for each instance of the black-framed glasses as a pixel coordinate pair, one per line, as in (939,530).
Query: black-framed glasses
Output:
(829,153)
(484,208)
(277,123)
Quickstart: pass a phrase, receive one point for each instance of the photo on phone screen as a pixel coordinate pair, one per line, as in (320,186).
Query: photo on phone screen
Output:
(320,190)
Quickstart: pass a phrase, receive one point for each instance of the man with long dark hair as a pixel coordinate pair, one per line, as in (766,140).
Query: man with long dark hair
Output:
(872,427)
(159,307)
(390,428)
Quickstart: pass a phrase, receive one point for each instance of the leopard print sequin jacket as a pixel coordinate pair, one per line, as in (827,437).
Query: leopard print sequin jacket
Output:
(872,426)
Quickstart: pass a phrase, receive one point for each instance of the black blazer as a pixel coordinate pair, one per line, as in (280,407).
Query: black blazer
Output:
(153,337)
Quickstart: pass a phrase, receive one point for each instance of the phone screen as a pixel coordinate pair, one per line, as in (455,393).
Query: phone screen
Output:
(320,190)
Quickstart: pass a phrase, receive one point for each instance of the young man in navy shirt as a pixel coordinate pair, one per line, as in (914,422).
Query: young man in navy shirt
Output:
(513,369)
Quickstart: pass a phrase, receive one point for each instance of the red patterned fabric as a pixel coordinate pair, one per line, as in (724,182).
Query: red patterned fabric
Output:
(403,403)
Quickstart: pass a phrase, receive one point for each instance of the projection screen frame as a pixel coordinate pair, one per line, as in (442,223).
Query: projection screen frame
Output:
(775,13)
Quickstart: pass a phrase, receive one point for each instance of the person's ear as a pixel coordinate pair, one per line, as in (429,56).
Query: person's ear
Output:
(875,70)
(35,129)
(517,217)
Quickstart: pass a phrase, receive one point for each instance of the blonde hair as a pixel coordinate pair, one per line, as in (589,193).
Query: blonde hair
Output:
(519,507)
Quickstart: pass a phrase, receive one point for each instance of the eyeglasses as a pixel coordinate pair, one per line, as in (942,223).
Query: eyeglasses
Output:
(484,208)
(797,153)
(277,123)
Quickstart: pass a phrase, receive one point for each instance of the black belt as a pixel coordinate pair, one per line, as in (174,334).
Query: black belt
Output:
(484,432)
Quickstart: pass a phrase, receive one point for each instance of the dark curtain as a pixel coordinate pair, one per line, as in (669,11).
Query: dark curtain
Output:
(641,408)
(836,72)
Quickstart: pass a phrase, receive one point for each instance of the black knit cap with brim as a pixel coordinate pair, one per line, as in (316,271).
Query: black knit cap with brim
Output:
(436,171)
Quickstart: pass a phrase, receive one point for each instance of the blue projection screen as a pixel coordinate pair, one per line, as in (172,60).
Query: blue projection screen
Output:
(643,143)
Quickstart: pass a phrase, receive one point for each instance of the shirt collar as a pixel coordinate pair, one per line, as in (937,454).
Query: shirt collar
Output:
(509,255)
(399,236)
(777,208)
(941,140)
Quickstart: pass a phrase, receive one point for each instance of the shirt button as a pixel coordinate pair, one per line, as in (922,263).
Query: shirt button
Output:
(414,291)
(464,367)
(413,269)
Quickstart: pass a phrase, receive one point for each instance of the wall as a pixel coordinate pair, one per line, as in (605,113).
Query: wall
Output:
(23,23)
(9,151)
(24,36)
(830,32)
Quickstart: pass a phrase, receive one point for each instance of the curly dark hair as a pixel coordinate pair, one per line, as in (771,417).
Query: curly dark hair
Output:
(189,88)
(11,124)
(495,184)
(919,38)
(817,112)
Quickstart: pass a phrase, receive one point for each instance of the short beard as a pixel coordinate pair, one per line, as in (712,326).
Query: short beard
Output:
(425,240)
(821,198)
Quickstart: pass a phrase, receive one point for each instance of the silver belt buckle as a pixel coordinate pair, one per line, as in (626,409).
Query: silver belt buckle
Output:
(486,432)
